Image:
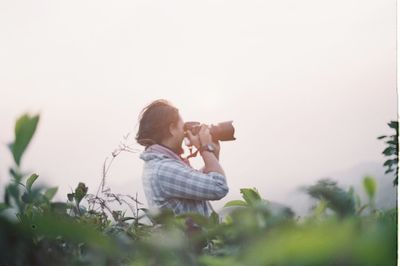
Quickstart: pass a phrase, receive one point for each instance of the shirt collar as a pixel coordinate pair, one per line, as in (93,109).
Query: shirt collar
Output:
(166,151)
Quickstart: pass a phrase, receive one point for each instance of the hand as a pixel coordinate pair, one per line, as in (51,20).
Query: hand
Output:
(193,139)
(206,138)
(203,137)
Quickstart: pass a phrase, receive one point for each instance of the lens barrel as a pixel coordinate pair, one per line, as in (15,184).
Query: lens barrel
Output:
(223,131)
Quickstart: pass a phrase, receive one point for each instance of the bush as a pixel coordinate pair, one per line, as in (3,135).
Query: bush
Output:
(85,230)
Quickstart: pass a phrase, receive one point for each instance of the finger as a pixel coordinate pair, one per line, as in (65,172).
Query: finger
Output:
(204,128)
(190,135)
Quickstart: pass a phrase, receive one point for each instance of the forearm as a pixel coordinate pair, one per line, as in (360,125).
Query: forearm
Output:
(179,181)
(217,154)
(211,163)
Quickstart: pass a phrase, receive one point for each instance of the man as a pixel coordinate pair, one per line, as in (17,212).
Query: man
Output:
(169,181)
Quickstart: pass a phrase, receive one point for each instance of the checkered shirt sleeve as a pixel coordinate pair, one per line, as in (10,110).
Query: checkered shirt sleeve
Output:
(181,181)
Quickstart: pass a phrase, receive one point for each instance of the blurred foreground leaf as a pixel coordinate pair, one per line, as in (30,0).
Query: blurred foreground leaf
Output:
(369,184)
(233,203)
(337,199)
(30,181)
(25,128)
(250,195)
(53,227)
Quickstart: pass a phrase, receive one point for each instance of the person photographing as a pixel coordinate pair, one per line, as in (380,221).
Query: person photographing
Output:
(168,179)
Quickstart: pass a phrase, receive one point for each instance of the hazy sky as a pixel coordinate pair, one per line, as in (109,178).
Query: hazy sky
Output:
(309,84)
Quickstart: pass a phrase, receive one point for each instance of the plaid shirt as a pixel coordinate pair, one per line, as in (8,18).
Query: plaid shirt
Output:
(170,182)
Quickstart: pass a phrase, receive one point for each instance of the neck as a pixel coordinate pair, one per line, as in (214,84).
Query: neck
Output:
(174,148)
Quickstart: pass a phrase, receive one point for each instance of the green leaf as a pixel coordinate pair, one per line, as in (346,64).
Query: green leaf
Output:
(250,195)
(16,174)
(369,186)
(391,162)
(392,142)
(381,137)
(50,193)
(30,181)
(389,171)
(236,203)
(80,192)
(394,125)
(25,128)
(389,151)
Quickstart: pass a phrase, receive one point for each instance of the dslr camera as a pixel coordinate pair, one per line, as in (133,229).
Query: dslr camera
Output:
(223,131)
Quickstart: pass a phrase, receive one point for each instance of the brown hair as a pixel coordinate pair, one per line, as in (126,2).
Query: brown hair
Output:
(154,122)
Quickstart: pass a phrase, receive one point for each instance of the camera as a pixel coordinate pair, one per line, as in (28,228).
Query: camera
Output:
(223,131)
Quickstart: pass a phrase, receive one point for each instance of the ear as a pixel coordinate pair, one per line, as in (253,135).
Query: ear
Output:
(172,128)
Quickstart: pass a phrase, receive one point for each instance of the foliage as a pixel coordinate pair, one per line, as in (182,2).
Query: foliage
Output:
(24,130)
(86,230)
(336,198)
(392,151)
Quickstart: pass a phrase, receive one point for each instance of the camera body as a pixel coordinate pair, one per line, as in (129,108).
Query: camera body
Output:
(223,131)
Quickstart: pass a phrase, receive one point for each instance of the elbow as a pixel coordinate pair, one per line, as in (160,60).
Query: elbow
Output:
(221,192)
(220,187)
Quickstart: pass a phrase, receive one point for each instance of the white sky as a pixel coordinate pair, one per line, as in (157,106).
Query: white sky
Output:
(309,84)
